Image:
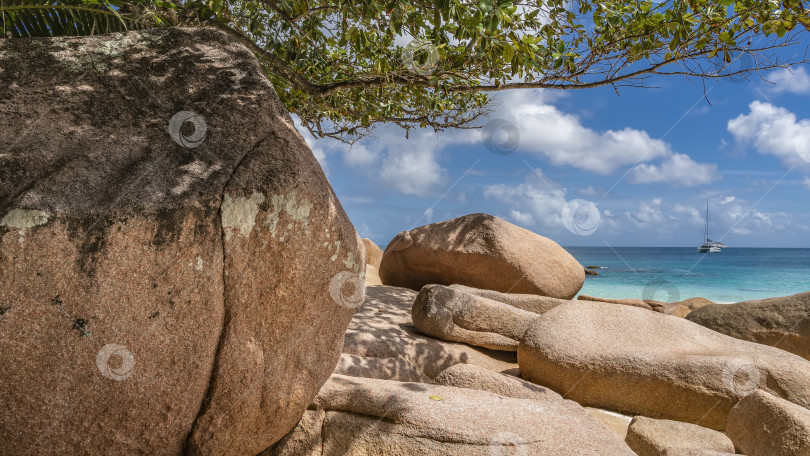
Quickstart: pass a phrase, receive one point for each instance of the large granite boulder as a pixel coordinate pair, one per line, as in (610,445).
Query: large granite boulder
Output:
(480,378)
(762,424)
(176,273)
(361,416)
(481,251)
(373,258)
(651,437)
(782,322)
(452,315)
(645,363)
(373,253)
(372,276)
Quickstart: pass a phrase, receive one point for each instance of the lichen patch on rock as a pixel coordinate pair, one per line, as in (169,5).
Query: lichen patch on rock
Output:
(93,53)
(240,214)
(350,263)
(298,212)
(24,219)
(337,251)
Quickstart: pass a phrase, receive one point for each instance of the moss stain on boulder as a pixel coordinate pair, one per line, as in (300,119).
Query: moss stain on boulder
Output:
(80,324)
(24,220)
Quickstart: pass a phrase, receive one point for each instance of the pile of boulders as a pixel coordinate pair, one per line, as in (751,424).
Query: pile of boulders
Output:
(424,361)
(177,277)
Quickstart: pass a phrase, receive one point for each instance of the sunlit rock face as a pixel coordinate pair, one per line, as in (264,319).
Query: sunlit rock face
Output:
(176,274)
(481,251)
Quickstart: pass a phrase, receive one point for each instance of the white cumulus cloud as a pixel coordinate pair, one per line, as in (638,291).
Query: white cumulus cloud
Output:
(537,202)
(750,220)
(774,131)
(566,141)
(649,214)
(545,130)
(409,166)
(359,156)
(679,169)
(687,214)
(412,172)
(791,80)
(589,191)
(522,218)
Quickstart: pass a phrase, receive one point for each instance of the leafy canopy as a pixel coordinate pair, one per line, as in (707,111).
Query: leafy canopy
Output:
(344,67)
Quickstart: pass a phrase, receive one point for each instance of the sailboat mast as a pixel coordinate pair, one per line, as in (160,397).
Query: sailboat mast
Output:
(706,230)
(708,245)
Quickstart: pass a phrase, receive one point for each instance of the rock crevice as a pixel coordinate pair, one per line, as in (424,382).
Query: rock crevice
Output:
(212,376)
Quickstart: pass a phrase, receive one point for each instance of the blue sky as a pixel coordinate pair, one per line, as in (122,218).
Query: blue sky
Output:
(593,168)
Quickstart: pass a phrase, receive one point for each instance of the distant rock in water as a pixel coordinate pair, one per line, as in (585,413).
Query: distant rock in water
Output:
(169,249)
(782,322)
(594,267)
(481,251)
(591,272)
(694,303)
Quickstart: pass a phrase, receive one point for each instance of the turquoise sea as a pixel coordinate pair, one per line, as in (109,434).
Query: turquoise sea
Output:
(675,273)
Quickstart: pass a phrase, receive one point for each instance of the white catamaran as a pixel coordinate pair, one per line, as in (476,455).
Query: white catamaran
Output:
(708,245)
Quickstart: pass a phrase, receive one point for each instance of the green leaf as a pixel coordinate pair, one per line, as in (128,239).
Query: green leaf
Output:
(673,45)
(508,52)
